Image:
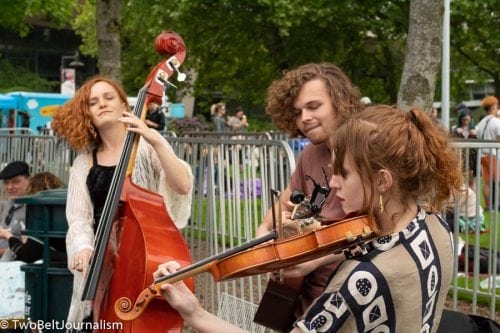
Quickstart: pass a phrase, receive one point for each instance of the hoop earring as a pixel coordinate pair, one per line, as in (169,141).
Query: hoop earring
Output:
(381,203)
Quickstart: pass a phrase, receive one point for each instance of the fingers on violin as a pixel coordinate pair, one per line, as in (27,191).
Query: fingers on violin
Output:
(160,271)
(166,269)
(172,266)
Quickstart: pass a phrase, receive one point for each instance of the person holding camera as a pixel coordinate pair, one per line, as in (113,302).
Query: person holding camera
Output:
(238,122)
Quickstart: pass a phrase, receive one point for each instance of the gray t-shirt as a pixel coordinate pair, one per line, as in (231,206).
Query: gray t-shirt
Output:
(220,124)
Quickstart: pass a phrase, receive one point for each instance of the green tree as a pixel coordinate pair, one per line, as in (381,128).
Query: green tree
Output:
(20,15)
(99,23)
(239,47)
(15,78)
(475,42)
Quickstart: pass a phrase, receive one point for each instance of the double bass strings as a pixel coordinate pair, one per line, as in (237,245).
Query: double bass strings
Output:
(112,199)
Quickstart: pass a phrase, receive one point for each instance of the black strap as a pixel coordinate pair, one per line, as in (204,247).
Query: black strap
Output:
(94,157)
(485,127)
(10,214)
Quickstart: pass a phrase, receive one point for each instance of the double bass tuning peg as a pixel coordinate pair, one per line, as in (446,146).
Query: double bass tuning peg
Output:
(180,76)
(174,65)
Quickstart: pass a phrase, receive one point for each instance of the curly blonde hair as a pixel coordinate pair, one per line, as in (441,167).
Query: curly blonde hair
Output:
(282,93)
(73,120)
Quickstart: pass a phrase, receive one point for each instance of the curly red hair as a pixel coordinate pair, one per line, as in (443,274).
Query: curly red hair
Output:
(282,93)
(73,120)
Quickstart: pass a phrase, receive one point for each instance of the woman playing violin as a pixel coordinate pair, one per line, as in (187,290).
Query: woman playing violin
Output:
(388,164)
(95,123)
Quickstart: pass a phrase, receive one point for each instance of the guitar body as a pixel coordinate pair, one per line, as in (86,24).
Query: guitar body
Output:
(284,296)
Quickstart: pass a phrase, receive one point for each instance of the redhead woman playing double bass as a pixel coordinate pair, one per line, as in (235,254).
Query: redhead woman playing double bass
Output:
(95,122)
(387,163)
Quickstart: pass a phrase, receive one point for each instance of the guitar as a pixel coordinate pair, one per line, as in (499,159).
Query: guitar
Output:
(284,294)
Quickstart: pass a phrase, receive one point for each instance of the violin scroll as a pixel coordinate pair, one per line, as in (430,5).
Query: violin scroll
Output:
(124,308)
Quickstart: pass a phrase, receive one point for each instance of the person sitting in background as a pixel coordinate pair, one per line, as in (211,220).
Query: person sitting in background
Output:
(412,257)
(44,181)
(461,107)
(15,178)
(467,208)
(29,249)
(155,117)
(465,127)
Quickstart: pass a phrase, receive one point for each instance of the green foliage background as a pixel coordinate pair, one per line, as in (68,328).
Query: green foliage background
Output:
(14,78)
(237,48)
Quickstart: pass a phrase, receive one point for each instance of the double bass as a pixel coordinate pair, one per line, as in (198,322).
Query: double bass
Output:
(135,232)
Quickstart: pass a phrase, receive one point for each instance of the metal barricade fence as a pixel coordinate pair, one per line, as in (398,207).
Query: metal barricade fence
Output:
(233,179)
(41,152)
(477,261)
(233,182)
(227,135)
(297,144)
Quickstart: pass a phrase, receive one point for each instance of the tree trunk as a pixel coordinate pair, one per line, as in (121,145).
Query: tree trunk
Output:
(108,17)
(496,83)
(422,56)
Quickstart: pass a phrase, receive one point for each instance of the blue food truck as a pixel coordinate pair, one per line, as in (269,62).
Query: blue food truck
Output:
(31,110)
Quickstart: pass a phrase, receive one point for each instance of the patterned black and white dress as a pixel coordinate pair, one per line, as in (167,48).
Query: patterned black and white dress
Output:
(399,285)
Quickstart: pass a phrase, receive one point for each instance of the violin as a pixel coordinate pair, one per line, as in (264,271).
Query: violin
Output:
(262,255)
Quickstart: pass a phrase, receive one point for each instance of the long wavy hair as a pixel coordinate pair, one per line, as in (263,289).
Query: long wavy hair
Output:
(425,168)
(44,181)
(73,120)
(282,93)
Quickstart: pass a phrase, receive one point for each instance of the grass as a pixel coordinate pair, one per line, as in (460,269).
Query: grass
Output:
(484,238)
(466,283)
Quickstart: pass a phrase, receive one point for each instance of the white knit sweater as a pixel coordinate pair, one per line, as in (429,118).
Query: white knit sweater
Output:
(148,174)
